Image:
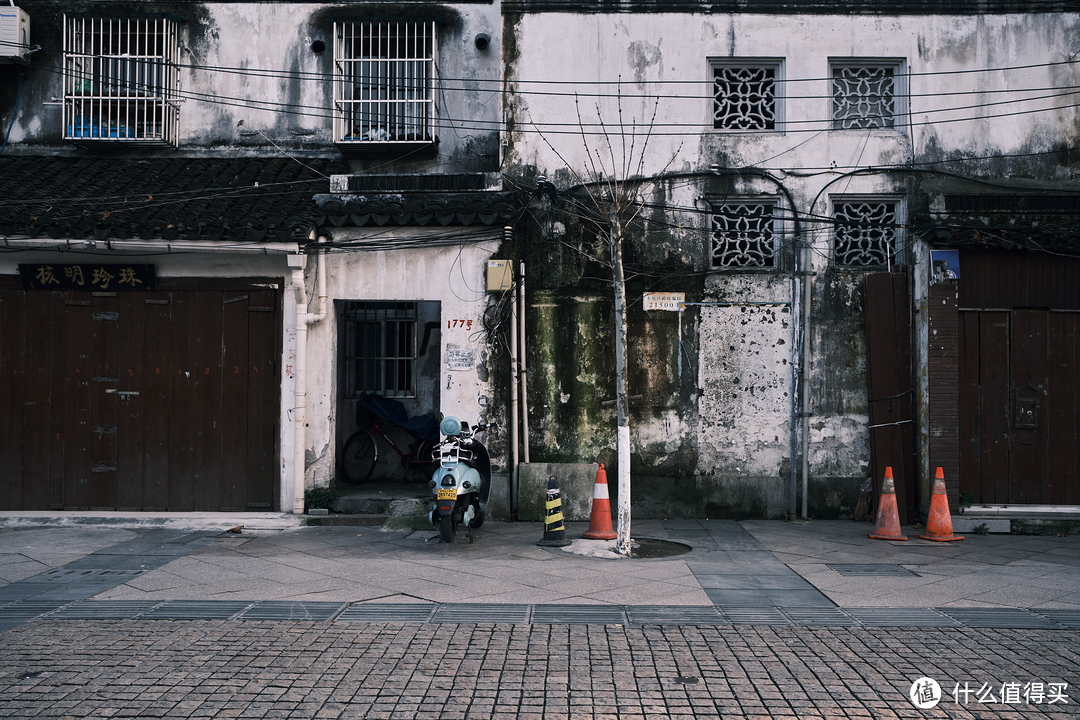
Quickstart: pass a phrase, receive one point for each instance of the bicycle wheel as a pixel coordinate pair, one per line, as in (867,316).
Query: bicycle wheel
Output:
(421,463)
(359,457)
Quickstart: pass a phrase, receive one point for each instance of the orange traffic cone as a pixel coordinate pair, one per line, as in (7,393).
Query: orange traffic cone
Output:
(888,520)
(939,525)
(600,519)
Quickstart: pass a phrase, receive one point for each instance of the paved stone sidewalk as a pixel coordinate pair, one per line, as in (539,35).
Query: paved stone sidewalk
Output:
(168,669)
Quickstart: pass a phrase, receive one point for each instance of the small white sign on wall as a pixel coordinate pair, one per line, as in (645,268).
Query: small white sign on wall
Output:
(460,358)
(663,301)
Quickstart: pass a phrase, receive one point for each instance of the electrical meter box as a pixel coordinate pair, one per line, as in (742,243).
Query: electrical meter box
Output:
(500,275)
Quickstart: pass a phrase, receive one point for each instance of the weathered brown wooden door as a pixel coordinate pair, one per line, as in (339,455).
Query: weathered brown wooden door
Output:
(888,340)
(164,400)
(1018,400)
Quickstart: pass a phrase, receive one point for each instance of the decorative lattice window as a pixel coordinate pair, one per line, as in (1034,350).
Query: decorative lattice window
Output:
(380,348)
(121,81)
(745,96)
(743,235)
(866,95)
(867,231)
(384,82)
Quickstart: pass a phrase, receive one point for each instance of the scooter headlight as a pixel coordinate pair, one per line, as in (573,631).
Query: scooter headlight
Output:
(450,426)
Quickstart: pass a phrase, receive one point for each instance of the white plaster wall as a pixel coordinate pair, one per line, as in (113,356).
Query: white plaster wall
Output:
(250,82)
(453,275)
(666,54)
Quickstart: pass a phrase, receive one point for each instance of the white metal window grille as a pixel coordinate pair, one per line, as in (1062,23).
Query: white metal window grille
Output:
(385,82)
(744,98)
(743,235)
(866,233)
(381,348)
(121,80)
(864,97)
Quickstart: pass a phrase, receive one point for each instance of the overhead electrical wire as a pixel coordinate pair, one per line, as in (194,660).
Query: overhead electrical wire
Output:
(609,129)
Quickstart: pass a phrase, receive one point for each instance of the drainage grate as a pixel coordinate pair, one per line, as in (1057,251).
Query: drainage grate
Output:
(27,609)
(998,618)
(900,617)
(295,610)
(872,570)
(575,614)
(821,616)
(104,610)
(1069,619)
(754,616)
(388,612)
(481,614)
(197,610)
(674,615)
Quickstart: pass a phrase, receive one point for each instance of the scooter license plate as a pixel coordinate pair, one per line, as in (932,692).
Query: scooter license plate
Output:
(448,494)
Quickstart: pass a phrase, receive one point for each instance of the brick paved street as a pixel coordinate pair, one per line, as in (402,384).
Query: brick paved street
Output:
(210,669)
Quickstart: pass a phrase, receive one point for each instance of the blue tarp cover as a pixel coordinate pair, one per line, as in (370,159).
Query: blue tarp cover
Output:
(424,427)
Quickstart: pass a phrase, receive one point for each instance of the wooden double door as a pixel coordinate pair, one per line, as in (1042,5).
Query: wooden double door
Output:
(1019,415)
(140,400)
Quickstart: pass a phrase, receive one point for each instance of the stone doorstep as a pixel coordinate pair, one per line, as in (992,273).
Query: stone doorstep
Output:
(392,506)
(1025,511)
(1020,519)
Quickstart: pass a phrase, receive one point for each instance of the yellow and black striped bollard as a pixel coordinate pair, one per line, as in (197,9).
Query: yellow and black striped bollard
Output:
(554,530)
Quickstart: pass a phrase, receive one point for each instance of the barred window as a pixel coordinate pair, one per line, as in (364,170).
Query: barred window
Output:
(866,95)
(866,232)
(745,96)
(121,81)
(743,235)
(384,82)
(380,348)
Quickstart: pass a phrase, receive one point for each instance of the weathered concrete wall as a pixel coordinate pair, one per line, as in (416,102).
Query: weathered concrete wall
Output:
(252,83)
(713,438)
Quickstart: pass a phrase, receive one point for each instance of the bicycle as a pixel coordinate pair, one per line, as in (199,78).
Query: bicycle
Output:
(361,452)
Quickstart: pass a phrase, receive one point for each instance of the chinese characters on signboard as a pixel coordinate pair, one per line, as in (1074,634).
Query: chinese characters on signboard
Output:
(51,276)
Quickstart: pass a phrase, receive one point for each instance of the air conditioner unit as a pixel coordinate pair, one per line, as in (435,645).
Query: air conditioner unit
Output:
(14,34)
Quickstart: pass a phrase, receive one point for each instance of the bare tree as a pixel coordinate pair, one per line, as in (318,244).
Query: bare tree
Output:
(613,183)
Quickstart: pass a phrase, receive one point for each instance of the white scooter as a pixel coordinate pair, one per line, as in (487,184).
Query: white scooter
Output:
(462,483)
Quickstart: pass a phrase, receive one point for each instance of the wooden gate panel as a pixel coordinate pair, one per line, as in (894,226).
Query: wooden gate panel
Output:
(78,338)
(993,397)
(1029,383)
(37,448)
(208,432)
(182,420)
(234,401)
(1063,458)
(263,388)
(156,398)
(13,371)
(58,400)
(970,415)
(104,354)
(130,389)
(889,381)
